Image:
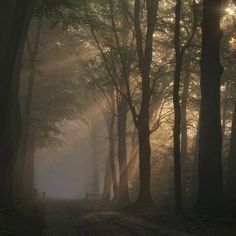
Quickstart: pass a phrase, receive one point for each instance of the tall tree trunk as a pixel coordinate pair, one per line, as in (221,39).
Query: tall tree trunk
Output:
(120,85)
(32,51)
(112,156)
(15,18)
(141,120)
(210,196)
(177,111)
(144,159)
(110,173)
(22,154)
(122,152)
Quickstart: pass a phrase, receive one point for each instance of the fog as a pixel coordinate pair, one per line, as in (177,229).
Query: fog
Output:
(64,173)
(83,106)
(117,117)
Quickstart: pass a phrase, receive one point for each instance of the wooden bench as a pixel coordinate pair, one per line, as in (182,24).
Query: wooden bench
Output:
(94,196)
(41,195)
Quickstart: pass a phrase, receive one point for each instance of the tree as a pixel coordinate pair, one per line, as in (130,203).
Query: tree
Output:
(117,64)
(41,10)
(134,77)
(111,157)
(99,83)
(26,117)
(111,168)
(47,100)
(179,56)
(177,112)
(210,195)
(15,20)
(141,120)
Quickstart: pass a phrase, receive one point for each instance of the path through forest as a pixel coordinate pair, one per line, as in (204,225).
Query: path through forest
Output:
(67,219)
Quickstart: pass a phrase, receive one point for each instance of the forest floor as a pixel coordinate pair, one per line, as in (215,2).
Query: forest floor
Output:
(25,221)
(91,219)
(95,219)
(84,218)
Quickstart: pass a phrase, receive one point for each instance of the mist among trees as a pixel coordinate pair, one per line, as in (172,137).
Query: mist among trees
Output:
(118,117)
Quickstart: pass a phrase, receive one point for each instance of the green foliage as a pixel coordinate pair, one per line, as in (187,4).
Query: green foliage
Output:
(56,98)
(59,11)
(54,101)
(51,8)
(62,97)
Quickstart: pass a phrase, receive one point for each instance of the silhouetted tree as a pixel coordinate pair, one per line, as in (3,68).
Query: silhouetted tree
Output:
(117,65)
(210,196)
(180,50)
(141,120)
(14,20)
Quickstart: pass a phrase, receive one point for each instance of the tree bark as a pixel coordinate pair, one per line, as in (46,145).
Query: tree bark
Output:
(177,111)
(15,19)
(122,152)
(210,195)
(141,120)
(110,173)
(144,160)
(26,124)
(112,156)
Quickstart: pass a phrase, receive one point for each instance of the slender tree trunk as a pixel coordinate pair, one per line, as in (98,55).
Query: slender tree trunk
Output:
(145,56)
(110,174)
(122,152)
(112,156)
(122,108)
(177,111)
(210,196)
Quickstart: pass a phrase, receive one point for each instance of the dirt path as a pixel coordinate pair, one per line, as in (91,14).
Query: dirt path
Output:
(67,220)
